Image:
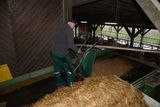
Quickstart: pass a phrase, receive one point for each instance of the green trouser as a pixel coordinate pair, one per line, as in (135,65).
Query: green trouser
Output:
(62,62)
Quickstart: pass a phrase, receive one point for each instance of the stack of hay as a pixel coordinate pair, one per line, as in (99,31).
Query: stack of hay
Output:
(102,91)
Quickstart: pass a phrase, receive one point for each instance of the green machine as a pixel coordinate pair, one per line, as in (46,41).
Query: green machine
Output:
(83,64)
(88,62)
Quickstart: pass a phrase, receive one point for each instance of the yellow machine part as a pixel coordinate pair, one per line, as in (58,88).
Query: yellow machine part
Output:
(5,73)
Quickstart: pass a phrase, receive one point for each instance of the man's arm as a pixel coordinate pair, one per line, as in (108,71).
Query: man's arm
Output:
(71,41)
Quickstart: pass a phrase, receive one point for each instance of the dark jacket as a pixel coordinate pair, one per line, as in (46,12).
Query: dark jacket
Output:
(63,39)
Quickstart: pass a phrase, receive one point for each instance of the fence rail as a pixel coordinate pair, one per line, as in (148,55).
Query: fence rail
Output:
(126,41)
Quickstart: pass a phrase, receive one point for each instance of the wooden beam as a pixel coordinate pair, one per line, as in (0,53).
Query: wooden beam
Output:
(117,28)
(67,10)
(94,28)
(122,48)
(145,31)
(133,34)
(152,10)
(82,2)
(139,32)
(133,31)
(101,27)
(142,36)
(128,31)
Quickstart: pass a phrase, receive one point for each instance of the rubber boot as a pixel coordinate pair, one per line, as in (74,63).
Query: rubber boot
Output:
(69,79)
(58,80)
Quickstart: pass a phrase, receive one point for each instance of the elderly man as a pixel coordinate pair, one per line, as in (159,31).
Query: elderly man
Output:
(63,40)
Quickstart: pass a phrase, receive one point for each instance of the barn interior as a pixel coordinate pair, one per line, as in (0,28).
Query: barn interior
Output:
(27,31)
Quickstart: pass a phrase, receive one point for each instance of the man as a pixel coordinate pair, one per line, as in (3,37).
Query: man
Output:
(63,40)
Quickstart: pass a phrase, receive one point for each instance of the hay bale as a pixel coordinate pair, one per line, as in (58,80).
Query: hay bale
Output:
(102,91)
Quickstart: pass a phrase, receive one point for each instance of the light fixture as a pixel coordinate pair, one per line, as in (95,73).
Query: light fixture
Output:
(110,23)
(83,21)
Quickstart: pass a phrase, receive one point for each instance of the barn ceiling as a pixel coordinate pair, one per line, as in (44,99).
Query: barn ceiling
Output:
(123,12)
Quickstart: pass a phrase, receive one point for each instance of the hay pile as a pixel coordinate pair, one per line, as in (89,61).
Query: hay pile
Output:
(103,91)
(111,66)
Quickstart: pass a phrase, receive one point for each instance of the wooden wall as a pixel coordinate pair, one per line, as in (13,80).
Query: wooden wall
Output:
(85,27)
(7,45)
(26,31)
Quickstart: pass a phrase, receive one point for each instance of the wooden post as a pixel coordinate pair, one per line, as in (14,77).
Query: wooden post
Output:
(141,42)
(76,31)
(94,28)
(101,27)
(145,31)
(133,34)
(67,9)
(157,48)
(85,28)
(117,28)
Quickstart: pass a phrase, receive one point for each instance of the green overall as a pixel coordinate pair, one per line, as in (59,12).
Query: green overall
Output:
(62,62)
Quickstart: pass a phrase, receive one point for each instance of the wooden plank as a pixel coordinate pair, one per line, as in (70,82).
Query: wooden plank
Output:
(82,2)
(7,45)
(27,29)
(122,48)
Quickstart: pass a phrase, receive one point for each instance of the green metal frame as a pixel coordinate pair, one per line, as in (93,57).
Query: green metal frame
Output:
(26,79)
(30,78)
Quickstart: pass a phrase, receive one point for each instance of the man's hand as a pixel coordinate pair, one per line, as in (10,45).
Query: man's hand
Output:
(79,51)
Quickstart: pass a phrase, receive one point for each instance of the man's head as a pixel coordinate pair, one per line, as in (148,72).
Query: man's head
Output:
(71,23)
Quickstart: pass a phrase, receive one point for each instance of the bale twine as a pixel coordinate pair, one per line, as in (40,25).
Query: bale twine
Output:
(102,91)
